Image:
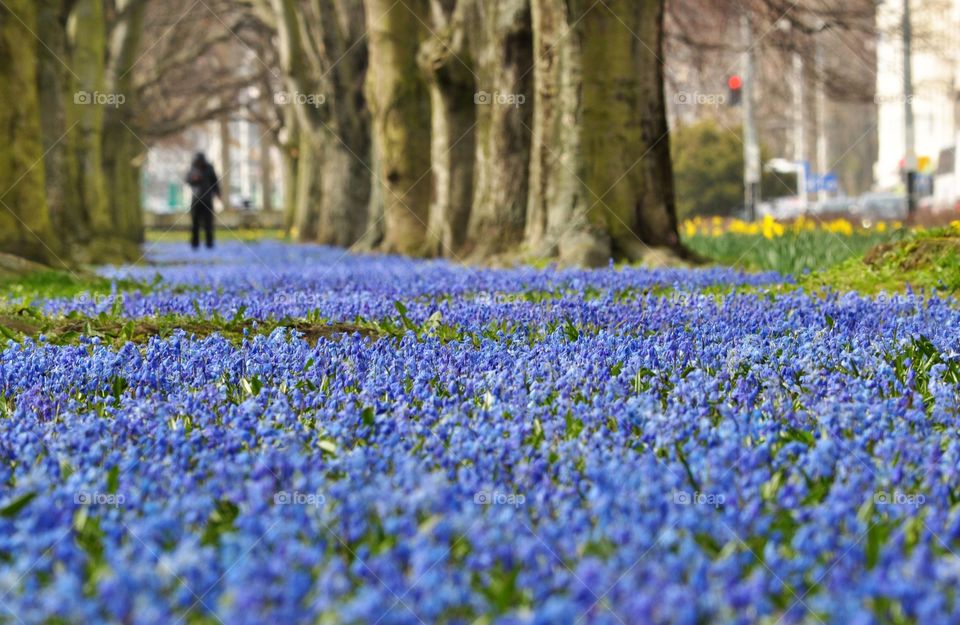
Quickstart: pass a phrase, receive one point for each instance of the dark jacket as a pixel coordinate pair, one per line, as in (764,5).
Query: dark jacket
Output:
(203,181)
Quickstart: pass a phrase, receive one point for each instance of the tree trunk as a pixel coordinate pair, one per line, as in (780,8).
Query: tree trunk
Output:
(444,59)
(324,69)
(400,110)
(55,85)
(123,150)
(601,182)
(122,157)
(308,190)
(25,228)
(372,237)
(87,36)
(266,176)
(290,168)
(289,141)
(504,118)
(226,162)
(345,190)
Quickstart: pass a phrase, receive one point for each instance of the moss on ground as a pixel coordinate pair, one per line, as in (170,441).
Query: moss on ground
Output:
(45,283)
(927,261)
(62,330)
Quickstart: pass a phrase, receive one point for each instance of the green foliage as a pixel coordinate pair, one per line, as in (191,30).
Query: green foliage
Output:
(13,508)
(928,260)
(708,170)
(114,329)
(245,235)
(790,254)
(33,287)
(221,521)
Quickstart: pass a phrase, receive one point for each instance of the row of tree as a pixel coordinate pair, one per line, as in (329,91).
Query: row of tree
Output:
(460,128)
(68,175)
(476,127)
(84,96)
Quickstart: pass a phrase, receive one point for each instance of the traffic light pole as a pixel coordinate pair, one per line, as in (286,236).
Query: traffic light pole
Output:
(751,145)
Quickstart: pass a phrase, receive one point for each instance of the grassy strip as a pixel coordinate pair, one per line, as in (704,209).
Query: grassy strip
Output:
(50,283)
(245,235)
(60,330)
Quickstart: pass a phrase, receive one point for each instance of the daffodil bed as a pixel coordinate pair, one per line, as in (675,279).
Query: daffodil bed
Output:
(500,446)
(806,244)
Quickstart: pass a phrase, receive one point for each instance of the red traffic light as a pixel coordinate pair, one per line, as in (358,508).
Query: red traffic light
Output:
(734,82)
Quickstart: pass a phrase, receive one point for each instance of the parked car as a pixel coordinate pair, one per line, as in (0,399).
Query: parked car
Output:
(781,208)
(841,205)
(873,207)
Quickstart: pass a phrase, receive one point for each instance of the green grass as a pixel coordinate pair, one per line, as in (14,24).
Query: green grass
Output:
(869,263)
(113,329)
(790,254)
(928,261)
(35,286)
(245,235)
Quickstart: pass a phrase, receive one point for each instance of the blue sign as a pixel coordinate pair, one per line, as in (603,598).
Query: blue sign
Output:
(823,182)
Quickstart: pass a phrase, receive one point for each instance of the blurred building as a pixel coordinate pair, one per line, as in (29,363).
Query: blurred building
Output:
(814,91)
(935,52)
(242,153)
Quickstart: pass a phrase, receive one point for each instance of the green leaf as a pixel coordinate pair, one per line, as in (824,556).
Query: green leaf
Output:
(113,480)
(117,309)
(220,522)
(129,329)
(368,416)
(13,508)
(7,332)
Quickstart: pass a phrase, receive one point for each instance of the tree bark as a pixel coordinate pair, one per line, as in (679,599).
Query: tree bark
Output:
(504,59)
(308,189)
(87,37)
(324,71)
(445,61)
(400,110)
(226,162)
(55,85)
(266,176)
(25,228)
(123,150)
(601,182)
(372,237)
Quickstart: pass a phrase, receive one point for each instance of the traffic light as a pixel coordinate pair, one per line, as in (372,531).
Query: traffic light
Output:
(735,90)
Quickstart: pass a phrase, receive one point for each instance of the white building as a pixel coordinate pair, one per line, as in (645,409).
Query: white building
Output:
(166,165)
(935,56)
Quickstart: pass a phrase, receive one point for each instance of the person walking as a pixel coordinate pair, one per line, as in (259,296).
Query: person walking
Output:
(203,181)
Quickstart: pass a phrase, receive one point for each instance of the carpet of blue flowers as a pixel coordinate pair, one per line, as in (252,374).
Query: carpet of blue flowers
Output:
(518,446)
